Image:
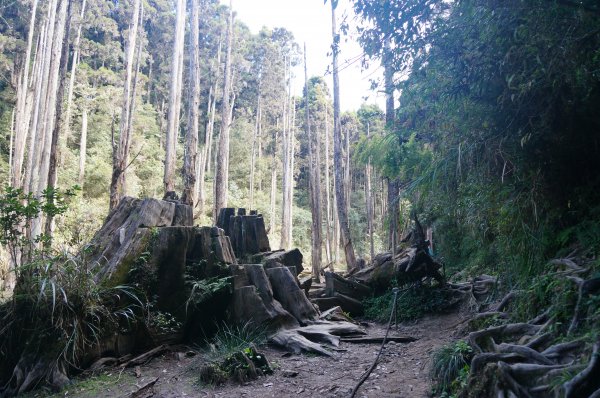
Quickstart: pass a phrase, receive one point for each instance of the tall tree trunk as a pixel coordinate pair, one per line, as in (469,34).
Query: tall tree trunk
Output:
(11,143)
(208,135)
(273,181)
(23,114)
(62,74)
(222,169)
(48,103)
(254,147)
(328,223)
(290,191)
(393,184)
(285,205)
(174,98)
(315,186)
(121,151)
(74,63)
(191,137)
(337,149)
(347,181)
(369,197)
(83,145)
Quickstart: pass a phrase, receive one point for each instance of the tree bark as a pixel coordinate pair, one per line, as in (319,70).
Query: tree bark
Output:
(222,167)
(392,182)
(254,147)
(190,161)
(23,113)
(337,158)
(121,151)
(328,223)
(369,204)
(208,137)
(314,186)
(174,98)
(74,63)
(285,181)
(83,145)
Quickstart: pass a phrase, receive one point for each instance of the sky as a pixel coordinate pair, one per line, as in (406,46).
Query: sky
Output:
(310,22)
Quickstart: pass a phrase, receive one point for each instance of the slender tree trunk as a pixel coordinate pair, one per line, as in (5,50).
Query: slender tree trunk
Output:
(208,135)
(347,181)
(53,171)
(174,98)
(337,157)
(285,206)
(23,116)
(11,143)
(190,161)
(290,186)
(254,148)
(222,169)
(58,20)
(393,184)
(273,181)
(39,83)
(74,63)
(83,145)
(369,197)
(121,151)
(328,232)
(315,187)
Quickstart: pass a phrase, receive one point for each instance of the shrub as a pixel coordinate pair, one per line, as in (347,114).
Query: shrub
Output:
(450,367)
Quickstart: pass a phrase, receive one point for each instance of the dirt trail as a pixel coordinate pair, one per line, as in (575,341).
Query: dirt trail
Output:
(402,370)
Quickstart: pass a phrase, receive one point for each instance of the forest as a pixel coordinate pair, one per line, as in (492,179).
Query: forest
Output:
(173,214)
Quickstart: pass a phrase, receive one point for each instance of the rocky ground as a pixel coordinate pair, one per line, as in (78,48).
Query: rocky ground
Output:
(403,370)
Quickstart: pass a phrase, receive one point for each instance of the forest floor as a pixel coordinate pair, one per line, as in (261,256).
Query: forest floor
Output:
(403,370)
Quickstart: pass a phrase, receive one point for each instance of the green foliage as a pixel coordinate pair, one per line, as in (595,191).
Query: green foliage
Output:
(61,306)
(450,368)
(230,339)
(413,303)
(205,289)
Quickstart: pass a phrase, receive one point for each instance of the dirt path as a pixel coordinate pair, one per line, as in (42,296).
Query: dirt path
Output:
(402,370)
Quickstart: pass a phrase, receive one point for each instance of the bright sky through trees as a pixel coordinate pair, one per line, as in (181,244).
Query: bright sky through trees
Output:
(310,22)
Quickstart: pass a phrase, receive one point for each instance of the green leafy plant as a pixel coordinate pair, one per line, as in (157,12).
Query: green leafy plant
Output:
(450,367)
(413,303)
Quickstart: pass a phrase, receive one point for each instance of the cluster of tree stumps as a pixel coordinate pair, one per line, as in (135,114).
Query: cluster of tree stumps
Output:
(182,281)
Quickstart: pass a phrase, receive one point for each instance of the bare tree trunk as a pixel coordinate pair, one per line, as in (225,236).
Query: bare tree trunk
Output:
(393,184)
(190,161)
(57,21)
(315,187)
(347,181)
(337,158)
(11,143)
(62,74)
(83,145)
(369,197)
(208,135)
(222,169)
(121,151)
(328,232)
(22,117)
(254,148)
(290,191)
(174,98)
(273,182)
(74,63)
(285,206)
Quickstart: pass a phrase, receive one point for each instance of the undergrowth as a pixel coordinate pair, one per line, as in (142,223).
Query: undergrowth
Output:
(450,368)
(413,303)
